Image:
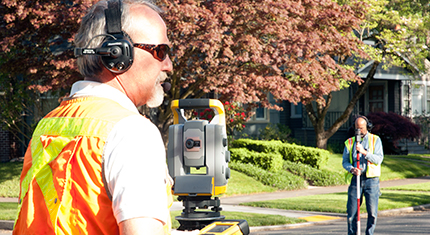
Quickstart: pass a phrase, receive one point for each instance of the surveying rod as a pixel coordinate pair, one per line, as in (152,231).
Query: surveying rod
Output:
(358,139)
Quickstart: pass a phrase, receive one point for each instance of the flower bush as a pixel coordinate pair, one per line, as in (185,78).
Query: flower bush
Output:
(235,116)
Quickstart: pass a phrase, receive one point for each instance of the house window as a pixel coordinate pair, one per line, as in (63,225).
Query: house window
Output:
(260,113)
(417,99)
(406,104)
(428,100)
(296,110)
(376,99)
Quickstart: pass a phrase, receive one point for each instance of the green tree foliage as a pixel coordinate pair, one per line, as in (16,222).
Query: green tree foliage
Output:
(396,33)
(400,30)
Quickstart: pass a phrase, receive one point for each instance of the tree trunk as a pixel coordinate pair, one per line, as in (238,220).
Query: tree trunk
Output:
(321,140)
(318,117)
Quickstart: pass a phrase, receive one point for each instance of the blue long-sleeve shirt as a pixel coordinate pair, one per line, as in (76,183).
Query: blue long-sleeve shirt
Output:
(376,157)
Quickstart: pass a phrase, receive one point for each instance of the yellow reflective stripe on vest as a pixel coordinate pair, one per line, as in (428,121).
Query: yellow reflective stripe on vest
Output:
(373,170)
(350,142)
(40,170)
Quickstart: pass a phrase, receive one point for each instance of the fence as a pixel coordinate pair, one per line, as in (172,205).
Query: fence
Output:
(330,118)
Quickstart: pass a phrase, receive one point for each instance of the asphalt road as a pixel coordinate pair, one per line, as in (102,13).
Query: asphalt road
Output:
(416,223)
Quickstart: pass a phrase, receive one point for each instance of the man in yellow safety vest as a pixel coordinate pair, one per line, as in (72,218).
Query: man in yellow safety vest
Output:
(371,156)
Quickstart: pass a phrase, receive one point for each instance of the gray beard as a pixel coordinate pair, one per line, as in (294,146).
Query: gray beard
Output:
(158,94)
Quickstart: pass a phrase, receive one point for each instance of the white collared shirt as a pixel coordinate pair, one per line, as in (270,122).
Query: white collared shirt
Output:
(134,159)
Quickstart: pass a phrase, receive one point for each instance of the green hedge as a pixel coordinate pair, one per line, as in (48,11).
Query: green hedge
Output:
(268,161)
(290,152)
(265,146)
(282,180)
(314,176)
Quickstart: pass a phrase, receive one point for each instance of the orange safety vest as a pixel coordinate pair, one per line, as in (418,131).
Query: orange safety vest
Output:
(62,189)
(372,170)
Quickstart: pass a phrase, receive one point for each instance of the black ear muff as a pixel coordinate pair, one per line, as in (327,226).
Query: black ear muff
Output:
(119,54)
(117,49)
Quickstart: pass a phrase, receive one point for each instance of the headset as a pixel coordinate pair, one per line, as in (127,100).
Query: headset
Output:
(117,50)
(369,124)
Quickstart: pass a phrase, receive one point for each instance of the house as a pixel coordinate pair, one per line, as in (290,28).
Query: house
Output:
(392,90)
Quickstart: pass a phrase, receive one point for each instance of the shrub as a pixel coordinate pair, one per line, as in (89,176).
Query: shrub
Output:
(257,145)
(333,147)
(290,152)
(314,176)
(282,180)
(314,157)
(267,161)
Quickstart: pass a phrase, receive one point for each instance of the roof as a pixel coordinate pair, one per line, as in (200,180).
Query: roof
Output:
(391,73)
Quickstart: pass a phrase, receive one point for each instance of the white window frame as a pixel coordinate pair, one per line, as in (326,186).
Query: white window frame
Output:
(265,119)
(293,110)
(425,85)
(427,95)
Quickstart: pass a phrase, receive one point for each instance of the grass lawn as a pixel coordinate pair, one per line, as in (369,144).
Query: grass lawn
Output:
(9,179)
(8,210)
(252,219)
(393,166)
(336,202)
(402,167)
(239,183)
(423,187)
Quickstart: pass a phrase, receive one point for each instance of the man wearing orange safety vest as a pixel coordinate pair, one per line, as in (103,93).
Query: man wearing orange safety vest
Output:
(371,156)
(94,164)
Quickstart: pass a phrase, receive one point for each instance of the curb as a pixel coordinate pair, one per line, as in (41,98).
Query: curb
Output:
(8,224)
(306,224)
(291,226)
(403,210)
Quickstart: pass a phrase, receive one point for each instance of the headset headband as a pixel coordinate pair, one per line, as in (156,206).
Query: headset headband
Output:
(113,17)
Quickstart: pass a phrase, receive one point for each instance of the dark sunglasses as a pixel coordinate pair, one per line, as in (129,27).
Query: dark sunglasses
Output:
(159,52)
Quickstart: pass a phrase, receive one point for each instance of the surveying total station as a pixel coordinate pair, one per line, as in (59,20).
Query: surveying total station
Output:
(197,157)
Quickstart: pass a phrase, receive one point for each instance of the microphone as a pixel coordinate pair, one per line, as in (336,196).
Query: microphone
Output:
(166,86)
(357,135)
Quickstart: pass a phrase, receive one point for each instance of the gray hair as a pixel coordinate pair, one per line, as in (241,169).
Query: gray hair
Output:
(94,24)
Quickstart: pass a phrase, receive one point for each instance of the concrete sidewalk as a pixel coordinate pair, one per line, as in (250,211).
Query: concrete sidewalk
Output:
(312,218)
